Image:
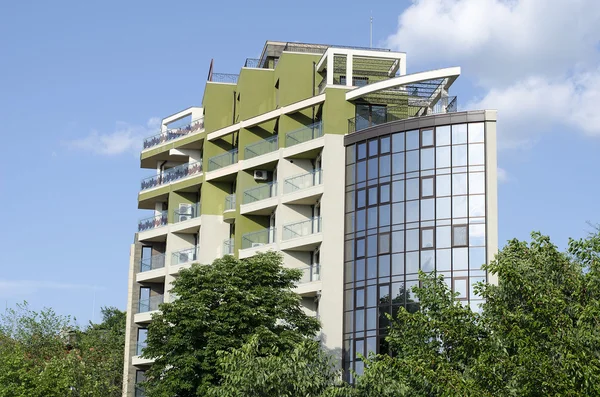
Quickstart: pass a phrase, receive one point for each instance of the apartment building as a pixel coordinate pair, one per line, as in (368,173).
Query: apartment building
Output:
(357,172)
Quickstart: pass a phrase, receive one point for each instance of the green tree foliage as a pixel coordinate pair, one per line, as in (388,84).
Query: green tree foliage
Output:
(219,307)
(44,355)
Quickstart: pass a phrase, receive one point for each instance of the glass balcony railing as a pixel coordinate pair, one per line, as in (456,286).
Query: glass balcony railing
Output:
(154,262)
(230,203)
(174,133)
(140,347)
(172,175)
(256,239)
(228,246)
(303,228)
(262,147)
(153,222)
(150,304)
(310,274)
(185,212)
(260,192)
(184,256)
(303,181)
(223,160)
(304,134)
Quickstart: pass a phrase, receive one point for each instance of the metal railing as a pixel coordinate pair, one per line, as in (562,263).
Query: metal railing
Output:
(302,228)
(230,203)
(154,262)
(186,255)
(446,104)
(174,133)
(260,192)
(258,238)
(184,213)
(303,181)
(153,222)
(252,63)
(223,160)
(228,246)
(225,78)
(304,134)
(172,175)
(150,304)
(310,274)
(140,348)
(261,147)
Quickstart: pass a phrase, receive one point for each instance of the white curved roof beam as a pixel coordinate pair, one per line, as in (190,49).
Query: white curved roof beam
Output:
(450,74)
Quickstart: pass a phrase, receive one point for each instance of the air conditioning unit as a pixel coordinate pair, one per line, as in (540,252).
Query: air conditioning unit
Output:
(254,245)
(185,212)
(261,175)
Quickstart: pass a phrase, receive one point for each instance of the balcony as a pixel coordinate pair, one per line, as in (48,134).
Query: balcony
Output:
(228,246)
(259,238)
(260,200)
(304,134)
(260,192)
(174,133)
(150,304)
(172,175)
(252,63)
(229,78)
(152,263)
(302,236)
(310,274)
(230,209)
(223,160)
(304,189)
(153,222)
(262,147)
(185,212)
(184,256)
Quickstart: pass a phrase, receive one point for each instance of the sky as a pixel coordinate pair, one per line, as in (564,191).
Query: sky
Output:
(82,83)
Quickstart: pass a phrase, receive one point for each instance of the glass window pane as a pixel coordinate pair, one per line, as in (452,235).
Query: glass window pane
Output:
(372,245)
(350,170)
(372,296)
(427,239)
(443,239)
(442,135)
(427,185)
(373,195)
(373,169)
(412,140)
(360,220)
(427,209)
(384,215)
(349,249)
(350,154)
(477,205)
(459,235)
(442,157)
(443,208)
(372,321)
(349,201)
(427,263)
(477,235)
(384,165)
(476,132)
(412,161)
(476,258)
(398,293)
(373,147)
(371,268)
(412,211)
(443,260)
(412,262)
(359,268)
(473,281)
(412,189)
(361,151)
(398,191)
(412,239)
(361,198)
(397,264)
(361,171)
(397,213)
(398,241)
(442,185)
(427,138)
(476,182)
(460,258)
(459,207)
(459,155)
(384,193)
(349,222)
(427,157)
(371,324)
(398,142)
(460,287)
(385,144)
(459,184)
(476,154)
(360,297)
(384,266)
(359,326)
(398,163)
(459,134)
(360,247)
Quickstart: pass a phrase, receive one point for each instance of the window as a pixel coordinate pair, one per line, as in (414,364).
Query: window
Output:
(460,236)
(427,187)
(361,199)
(427,138)
(460,285)
(384,243)
(428,238)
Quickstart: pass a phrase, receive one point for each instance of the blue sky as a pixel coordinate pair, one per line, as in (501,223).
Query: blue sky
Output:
(81,83)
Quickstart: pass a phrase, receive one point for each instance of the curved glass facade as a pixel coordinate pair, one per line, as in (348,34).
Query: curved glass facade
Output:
(415,200)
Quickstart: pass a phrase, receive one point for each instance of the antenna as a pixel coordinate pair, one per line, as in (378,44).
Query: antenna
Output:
(371,32)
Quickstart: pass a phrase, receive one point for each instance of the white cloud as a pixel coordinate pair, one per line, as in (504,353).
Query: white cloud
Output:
(536,60)
(12,288)
(502,175)
(126,138)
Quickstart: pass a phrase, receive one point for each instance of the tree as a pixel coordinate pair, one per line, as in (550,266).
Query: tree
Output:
(219,307)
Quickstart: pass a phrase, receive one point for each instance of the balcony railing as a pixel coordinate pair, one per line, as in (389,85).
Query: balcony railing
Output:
(304,134)
(186,212)
(139,392)
(252,63)
(223,160)
(153,222)
(150,304)
(260,192)
(262,147)
(174,133)
(230,203)
(256,239)
(228,246)
(303,181)
(225,78)
(172,175)
(140,348)
(154,262)
(310,274)
(186,255)
(448,104)
(303,228)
